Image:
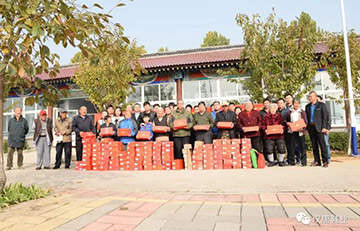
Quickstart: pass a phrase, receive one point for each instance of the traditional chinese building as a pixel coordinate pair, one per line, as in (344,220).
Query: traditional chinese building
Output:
(190,75)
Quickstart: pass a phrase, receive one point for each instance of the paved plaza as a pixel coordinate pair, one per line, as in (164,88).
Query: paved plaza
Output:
(289,198)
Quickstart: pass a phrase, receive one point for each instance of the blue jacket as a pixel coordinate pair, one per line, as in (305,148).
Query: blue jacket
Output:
(214,130)
(128,123)
(147,127)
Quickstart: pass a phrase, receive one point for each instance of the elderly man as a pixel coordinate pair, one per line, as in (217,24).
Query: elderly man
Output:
(82,123)
(318,126)
(250,118)
(63,129)
(181,136)
(226,116)
(162,119)
(17,129)
(204,117)
(43,138)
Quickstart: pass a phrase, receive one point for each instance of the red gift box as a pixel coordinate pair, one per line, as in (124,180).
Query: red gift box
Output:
(160,129)
(297,125)
(124,132)
(274,129)
(106,131)
(180,124)
(225,125)
(251,129)
(143,135)
(87,135)
(201,127)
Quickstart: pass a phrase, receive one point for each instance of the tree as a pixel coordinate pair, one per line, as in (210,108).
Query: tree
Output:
(163,49)
(335,57)
(278,57)
(105,77)
(25,27)
(77,58)
(213,38)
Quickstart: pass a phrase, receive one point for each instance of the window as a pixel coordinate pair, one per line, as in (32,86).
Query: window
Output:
(326,82)
(18,102)
(30,119)
(151,92)
(30,108)
(167,91)
(241,90)
(208,89)
(227,89)
(6,120)
(136,96)
(191,90)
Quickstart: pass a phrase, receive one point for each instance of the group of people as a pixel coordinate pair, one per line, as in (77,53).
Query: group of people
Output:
(275,146)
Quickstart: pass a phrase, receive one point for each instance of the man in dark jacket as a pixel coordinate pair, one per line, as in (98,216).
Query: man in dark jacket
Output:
(204,117)
(82,123)
(226,116)
(17,129)
(137,115)
(43,138)
(318,125)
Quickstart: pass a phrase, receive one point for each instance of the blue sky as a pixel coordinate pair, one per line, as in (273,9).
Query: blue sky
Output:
(183,24)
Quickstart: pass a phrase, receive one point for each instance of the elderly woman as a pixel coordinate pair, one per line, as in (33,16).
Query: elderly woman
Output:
(273,141)
(250,118)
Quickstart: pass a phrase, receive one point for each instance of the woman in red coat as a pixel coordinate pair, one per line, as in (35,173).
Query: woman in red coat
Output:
(250,118)
(274,140)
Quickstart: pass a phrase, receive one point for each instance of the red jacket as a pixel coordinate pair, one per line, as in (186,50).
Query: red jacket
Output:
(273,119)
(249,121)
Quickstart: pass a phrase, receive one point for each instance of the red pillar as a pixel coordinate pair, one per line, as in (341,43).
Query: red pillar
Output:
(179,89)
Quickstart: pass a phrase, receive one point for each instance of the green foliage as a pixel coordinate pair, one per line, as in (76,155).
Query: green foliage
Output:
(6,146)
(25,26)
(339,141)
(336,57)
(17,193)
(279,56)
(163,49)
(213,38)
(105,76)
(77,58)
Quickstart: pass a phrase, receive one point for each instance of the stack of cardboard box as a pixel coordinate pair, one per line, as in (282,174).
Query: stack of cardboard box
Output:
(209,161)
(198,156)
(167,155)
(86,163)
(187,153)
(156,156)
(246,153)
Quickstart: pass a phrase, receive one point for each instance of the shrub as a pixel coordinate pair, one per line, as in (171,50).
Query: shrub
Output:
(6,146)
(17,193)
(338,141)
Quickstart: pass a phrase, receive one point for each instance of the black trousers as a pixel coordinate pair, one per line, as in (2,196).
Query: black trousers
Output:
(275,144)
(288,142)
(205,136)
(59,150)
(255,143)
(79,148)
(297,142)
(318,139)
(179,145)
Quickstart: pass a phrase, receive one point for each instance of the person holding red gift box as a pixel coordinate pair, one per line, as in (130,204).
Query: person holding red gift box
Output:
(203,117)
(108,124)
(297,138)
(250,119)
(162,120)
(274,140)
(226,116)
(147,125)
(128,122)
(181,135)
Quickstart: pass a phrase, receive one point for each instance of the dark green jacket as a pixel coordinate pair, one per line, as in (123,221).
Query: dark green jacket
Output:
(182,114)
(204,119)
(17,132)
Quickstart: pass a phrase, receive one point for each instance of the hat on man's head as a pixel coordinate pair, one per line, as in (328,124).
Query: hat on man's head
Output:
(43,112)
(63,111)
(225,103)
